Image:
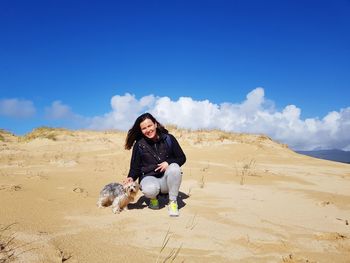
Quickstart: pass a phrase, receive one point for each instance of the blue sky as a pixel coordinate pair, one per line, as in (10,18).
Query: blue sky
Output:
(98,64)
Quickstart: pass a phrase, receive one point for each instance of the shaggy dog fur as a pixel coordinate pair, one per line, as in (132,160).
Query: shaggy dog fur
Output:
(118,195)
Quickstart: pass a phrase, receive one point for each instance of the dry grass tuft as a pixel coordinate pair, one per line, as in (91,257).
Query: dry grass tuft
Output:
(9,250)
(43,132)
(248,169)
(6,136)
(64,256)
(172,254)
(202,182)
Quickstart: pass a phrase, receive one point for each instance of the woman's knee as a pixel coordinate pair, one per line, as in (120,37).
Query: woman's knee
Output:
(174,168)
(174,174)
(150,188)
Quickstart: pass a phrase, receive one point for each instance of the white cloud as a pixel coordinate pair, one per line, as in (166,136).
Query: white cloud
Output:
(125,109)
(57,110)
(17,108)
(255,114)
(62,115)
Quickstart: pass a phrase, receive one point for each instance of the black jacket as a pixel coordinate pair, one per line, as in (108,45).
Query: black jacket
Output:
(147,154)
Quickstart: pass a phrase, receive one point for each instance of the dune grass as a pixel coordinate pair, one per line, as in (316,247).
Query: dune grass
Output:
(43,132)
(7,247)
(10,250)
(3,134)
(172,254)
(247,169)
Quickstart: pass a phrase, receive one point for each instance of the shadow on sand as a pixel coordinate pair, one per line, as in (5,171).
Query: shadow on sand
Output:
(143,202)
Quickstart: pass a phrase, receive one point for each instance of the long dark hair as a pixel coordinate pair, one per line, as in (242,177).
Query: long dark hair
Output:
(135,133)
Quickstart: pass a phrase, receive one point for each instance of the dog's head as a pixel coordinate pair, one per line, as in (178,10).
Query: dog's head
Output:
(131,188)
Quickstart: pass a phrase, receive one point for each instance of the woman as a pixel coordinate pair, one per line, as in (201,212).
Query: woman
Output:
(155,161)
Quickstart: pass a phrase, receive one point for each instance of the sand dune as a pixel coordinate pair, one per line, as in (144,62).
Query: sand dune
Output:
(244,198)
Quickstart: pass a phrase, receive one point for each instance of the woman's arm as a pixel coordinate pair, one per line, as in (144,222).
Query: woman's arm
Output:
(176,153)
(135,170)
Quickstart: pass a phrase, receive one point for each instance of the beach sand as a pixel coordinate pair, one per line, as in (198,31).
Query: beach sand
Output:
(244,198)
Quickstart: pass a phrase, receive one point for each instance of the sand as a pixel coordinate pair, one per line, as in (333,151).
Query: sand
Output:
(244,198)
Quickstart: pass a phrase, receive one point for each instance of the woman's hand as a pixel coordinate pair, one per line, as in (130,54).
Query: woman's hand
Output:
(162,167)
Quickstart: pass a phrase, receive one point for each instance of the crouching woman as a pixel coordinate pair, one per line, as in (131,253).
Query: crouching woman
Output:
(156,160)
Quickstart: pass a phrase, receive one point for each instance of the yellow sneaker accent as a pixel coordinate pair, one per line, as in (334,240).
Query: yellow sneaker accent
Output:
(173,208)
(154,203)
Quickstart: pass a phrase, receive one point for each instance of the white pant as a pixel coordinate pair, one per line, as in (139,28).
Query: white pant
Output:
(169,183)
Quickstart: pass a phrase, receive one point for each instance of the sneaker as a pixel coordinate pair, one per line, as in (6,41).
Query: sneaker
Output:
(154,203)
(173,209)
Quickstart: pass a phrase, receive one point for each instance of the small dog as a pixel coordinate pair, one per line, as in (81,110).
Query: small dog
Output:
(119,195)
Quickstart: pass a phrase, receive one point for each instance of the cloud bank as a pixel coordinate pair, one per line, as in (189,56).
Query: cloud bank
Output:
(17,108)
(255,114)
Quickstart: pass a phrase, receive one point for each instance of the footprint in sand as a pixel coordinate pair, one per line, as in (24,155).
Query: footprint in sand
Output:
(331,236)
(80,190)
(324,203)
(14,188)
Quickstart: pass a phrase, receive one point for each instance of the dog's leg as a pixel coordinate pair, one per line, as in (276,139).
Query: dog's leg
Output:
(116,210)
(99,203)
(115,206)
(123,203)
(104,201)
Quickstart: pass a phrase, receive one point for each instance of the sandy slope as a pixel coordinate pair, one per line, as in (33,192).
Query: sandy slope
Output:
(244,198)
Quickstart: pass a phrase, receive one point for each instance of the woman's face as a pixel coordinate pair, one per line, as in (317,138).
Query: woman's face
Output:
(149,129)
